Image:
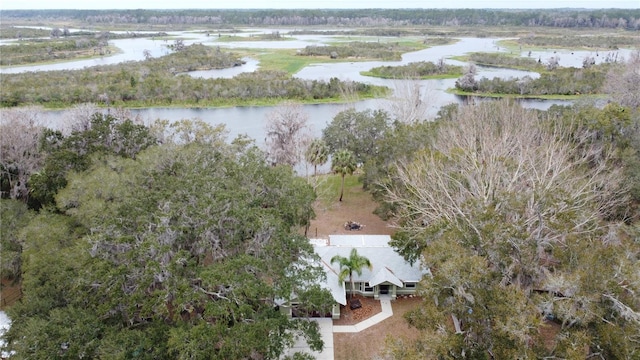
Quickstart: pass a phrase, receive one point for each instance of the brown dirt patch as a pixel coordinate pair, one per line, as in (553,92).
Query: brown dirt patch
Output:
(548,332)
(9,293)
(370,307)
(370,343)
(357,206)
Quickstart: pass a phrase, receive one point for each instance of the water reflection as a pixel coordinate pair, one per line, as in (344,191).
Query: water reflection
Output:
(250,65)
(251,120)
(352,70)
(572,58)
(129,50)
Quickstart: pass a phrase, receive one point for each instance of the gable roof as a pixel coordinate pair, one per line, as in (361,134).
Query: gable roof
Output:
(383,275)
(333,285)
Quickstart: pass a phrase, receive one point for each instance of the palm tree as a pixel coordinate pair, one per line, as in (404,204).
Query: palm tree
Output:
(317,154)
(343,163)
(354,262)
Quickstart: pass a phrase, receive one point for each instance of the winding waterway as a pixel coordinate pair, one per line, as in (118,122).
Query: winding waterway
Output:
(250,120)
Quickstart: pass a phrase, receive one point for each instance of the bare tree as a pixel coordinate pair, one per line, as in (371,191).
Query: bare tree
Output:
(288,134)
(471,69)
(491,153)
(126,114)
(553,63)
(467,82)
(441,64)
(78,118)
(20,134)
(56,32)
(499,206)
(588,62)
(409,102)
(623,83)
(178,45)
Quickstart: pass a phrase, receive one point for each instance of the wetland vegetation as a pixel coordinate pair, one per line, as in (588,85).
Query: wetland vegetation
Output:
(159,81)
(38,45)
(417,70)
(359,49)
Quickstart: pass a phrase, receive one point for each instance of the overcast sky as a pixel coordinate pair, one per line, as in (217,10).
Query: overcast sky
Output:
(312,4)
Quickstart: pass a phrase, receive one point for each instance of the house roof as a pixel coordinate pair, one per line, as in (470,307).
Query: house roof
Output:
(383,275)
(387,264)
(333,284)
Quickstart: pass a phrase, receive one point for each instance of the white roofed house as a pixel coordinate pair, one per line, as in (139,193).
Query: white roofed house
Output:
(390,273)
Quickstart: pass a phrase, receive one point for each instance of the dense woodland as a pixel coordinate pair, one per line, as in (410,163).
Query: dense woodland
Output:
(137,240)
(602,18)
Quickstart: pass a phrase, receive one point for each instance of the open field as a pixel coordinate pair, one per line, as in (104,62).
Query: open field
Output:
(357,205)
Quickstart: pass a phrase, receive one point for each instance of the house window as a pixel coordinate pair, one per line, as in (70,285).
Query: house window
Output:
(410,285)
(367,287)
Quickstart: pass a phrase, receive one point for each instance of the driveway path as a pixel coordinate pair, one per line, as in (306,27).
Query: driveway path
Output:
(327,329)
(387,311)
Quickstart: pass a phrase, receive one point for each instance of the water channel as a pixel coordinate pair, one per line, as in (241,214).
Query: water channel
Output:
(250,120)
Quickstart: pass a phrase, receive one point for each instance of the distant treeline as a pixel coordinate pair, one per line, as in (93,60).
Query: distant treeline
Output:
(600,18)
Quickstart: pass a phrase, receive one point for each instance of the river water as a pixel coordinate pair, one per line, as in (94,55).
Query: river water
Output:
(251,120)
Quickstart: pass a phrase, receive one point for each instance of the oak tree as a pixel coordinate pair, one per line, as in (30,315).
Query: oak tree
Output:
(20,156)
(357,131)
(287,134)
(509,216)
(200,238)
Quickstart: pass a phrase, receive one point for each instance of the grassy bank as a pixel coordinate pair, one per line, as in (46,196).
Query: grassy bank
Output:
(501,60)
(517,96)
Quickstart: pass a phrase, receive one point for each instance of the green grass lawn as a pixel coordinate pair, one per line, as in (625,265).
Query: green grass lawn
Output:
(328,189)
(287,60)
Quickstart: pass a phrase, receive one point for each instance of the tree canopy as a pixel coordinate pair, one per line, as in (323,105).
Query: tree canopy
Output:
(510,217)
(389,18)
(176,253)
(343,163)
(357,131)
(348,265)
(288,134)
(317,153)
